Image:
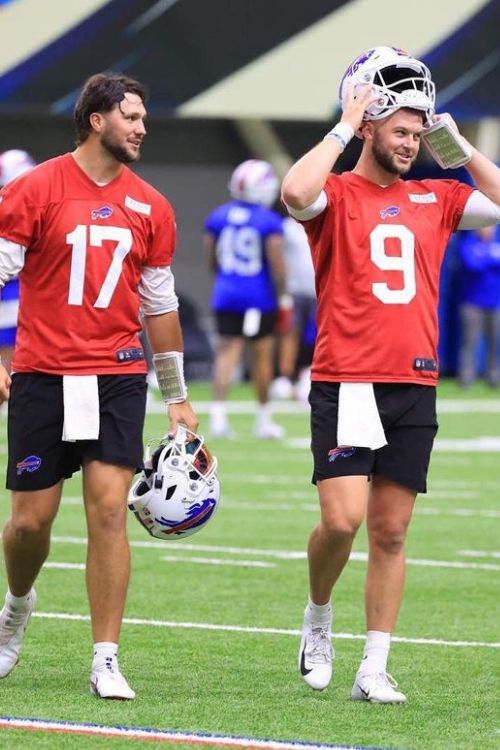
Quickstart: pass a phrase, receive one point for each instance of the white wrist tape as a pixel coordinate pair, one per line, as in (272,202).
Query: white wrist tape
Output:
(342,132)
(169,368)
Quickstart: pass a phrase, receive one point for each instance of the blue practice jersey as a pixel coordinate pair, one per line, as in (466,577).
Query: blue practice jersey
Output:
(243,278)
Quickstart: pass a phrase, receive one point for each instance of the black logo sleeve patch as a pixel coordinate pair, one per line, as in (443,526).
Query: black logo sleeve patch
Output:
(129,355)
(424,364)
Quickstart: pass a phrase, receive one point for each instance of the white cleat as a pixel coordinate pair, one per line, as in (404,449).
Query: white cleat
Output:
(221,431)
(13,623)
(269,431)
(316,654)
(106,681)
(281,389)
(376,688)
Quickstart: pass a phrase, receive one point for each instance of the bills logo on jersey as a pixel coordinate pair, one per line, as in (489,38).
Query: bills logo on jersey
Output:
(342,450)
(390,212)
(101,213)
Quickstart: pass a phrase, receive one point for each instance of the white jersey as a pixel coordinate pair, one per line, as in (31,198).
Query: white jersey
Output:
(299,267)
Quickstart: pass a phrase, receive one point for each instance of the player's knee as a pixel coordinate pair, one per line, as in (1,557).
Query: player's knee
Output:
(23,527)
(108,516)
(339,528)
(388,539)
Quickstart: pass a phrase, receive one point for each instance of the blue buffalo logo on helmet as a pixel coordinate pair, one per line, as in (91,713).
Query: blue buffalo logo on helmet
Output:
(29,464)
(389,212)
(101,213)
(197,515)
(178,491)
(342,450)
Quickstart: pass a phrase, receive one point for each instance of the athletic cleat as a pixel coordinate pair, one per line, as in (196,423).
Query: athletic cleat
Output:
(268,430)
(281,389)
(13,623)
(376,688)
(316,654)
(106,681)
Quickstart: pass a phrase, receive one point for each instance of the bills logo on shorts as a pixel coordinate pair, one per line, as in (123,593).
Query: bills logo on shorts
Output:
(101,213)
(343,450)
(30,464)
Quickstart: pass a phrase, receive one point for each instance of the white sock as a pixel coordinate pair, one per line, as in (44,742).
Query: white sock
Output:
(321,613)
(104,650)
(218,409)
(17,602)
(263,413)
(376,653)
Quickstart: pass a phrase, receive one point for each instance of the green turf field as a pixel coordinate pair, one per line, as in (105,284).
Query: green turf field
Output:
(211,639)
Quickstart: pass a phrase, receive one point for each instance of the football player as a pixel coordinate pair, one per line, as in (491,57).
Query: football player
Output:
(13,163)
(92,244)
(377,243)
(244,243)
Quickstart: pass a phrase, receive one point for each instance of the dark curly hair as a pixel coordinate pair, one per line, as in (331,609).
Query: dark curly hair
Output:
(100,93)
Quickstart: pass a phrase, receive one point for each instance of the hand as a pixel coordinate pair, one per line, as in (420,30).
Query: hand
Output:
(182,414)
(5,382)
(358,100)
(447,118)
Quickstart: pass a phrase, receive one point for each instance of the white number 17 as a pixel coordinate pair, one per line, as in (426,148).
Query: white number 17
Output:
(79,243)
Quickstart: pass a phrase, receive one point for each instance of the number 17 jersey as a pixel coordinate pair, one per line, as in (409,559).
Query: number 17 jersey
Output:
(86,246)
(377,253)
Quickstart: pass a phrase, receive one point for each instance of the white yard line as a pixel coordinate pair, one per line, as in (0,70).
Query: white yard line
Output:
(218,561)
(480,444)
(263,631)
(444,406)
(279,554)
(478,553)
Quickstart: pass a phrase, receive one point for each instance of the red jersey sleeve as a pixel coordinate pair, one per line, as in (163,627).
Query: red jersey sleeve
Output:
(454,195)
(163,239)
(20,214)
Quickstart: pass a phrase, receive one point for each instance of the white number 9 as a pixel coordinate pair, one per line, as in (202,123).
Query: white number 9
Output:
(405,263)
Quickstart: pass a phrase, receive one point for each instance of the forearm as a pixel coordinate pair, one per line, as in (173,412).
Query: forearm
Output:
(306,178)
(164,332)
(486,175)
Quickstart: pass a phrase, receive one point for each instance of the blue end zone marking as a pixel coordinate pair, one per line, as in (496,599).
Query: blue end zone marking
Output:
(134,732)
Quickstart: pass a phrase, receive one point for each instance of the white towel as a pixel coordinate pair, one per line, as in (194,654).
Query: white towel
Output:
(81,408)
(359,422)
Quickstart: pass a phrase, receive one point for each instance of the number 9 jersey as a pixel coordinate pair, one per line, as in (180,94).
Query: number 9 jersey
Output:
(85,249)
(377,253)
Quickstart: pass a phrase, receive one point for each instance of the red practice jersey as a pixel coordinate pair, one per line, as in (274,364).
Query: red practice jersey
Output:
(86,246)
(377,254)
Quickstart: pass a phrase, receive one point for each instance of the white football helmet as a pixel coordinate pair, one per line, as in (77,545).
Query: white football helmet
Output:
(178,491)
(254,181)
(400,79)
(14,163)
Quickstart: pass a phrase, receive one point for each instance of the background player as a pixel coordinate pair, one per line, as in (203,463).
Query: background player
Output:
(92,243)
(244,243)
(377,244)
(13,163)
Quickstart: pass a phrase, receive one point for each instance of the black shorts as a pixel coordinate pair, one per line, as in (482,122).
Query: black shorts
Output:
(408,416)
(252,324)
(38,458)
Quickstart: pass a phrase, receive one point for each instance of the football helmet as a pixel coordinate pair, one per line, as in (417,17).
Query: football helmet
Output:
(399,78)
(254,181)
(14,163)
(178,490)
